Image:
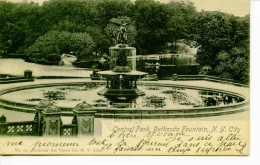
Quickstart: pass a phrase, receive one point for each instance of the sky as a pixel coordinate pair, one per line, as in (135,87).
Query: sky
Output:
(236,7)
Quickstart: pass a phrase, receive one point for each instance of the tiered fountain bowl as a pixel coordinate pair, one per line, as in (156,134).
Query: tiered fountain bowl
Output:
(122,76)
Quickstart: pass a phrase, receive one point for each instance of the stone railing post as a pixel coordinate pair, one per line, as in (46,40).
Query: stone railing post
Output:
(174,77)
(39,116)
(28,74)
(3,126)
(84,117)
(51,121)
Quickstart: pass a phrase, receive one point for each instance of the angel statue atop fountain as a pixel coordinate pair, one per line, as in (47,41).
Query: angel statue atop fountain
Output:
(122,32)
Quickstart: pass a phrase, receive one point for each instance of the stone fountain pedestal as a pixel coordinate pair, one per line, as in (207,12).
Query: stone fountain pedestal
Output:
(122,76)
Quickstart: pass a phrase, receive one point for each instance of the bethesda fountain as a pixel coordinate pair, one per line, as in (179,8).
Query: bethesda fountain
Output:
(70,107)
(121,79)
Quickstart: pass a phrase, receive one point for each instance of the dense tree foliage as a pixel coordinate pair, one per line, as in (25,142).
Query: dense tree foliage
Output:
(213,32)
(151,22)
(222,39)
(59,42)
(223,44)
(182,16)
(234,64)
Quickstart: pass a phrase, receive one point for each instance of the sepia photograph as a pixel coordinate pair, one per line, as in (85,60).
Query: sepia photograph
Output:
(125,77)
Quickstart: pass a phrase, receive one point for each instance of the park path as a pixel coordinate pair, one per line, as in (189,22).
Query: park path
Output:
(16,67)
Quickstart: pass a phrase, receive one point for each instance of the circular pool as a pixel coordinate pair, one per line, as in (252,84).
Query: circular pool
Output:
(160,100)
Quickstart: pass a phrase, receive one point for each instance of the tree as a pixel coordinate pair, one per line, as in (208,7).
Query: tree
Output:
(224,44)
(108,9)
(59,42)
(27,17)
(241,31)
(20,25)
(151,20)
(14,37)
(66,25)
(182,14)
(212,31)
(234,65)
(100,38)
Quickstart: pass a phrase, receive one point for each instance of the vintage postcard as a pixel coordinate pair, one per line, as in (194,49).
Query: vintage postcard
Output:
(124,77)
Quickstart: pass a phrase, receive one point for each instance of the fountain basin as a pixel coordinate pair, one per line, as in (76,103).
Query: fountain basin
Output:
(149,106)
